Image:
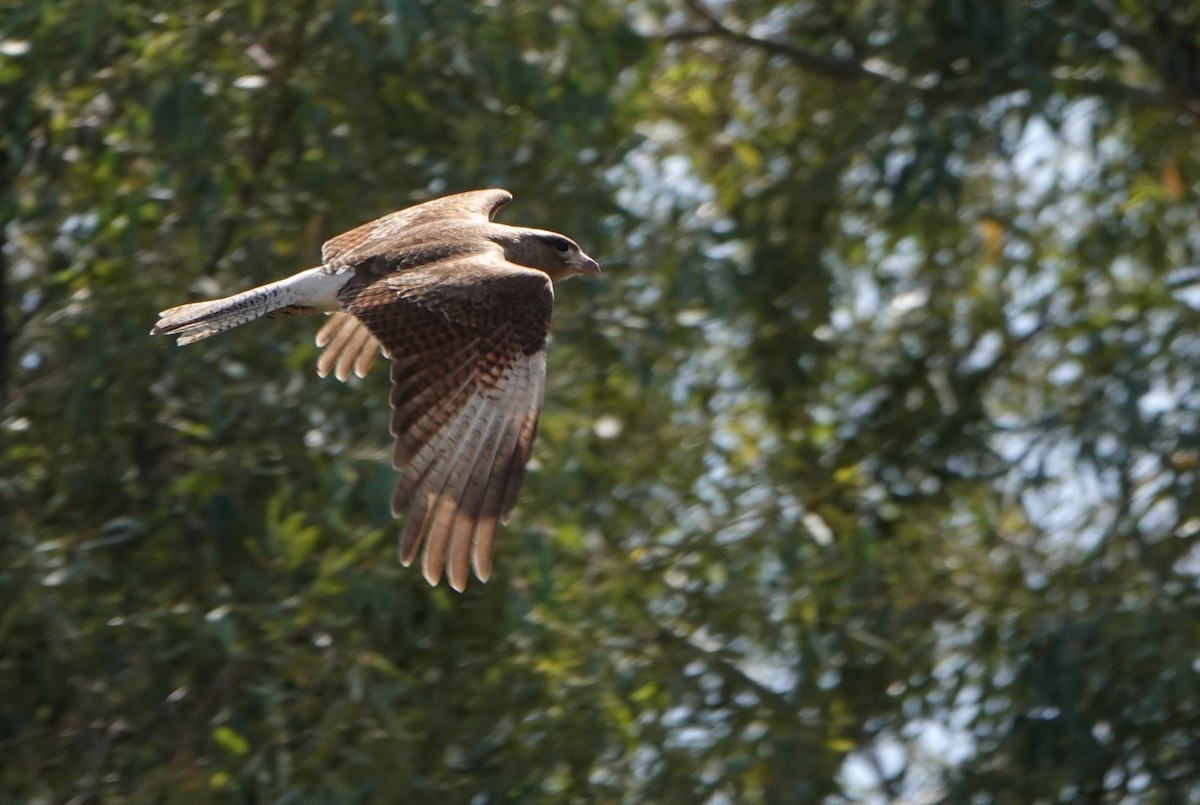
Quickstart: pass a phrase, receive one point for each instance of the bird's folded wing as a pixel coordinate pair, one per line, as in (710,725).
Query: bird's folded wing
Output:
(467,342)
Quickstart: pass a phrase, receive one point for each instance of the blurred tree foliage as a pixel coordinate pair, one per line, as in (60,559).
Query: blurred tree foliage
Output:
(868,471)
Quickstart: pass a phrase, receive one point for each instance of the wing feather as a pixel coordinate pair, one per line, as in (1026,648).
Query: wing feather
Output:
(467,342)
(422,402)
(525,436)
(445,544)
(348,345)
(524,391)
(359,244)
(436,468)
(416,468)
(471,524)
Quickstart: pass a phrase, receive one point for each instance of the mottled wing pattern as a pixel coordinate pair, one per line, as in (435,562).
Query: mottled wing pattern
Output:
(348,346)
(467,343)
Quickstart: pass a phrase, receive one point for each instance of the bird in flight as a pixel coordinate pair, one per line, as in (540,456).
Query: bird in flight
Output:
(461,306)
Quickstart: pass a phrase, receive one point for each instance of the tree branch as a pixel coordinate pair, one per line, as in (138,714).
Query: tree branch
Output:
(850,69)
(836,67)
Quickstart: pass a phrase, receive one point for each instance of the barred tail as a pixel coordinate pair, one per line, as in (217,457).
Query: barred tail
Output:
(307,291)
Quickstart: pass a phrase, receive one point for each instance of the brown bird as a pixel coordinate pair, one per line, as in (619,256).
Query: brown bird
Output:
(461,306)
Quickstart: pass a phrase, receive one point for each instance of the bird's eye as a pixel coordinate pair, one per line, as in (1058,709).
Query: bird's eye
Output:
(562,246)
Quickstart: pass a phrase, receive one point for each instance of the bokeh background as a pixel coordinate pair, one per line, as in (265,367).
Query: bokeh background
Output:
(868,471)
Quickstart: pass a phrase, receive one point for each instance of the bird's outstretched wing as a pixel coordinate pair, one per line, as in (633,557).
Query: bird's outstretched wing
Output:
(375,238)
(467,342)
(348,346)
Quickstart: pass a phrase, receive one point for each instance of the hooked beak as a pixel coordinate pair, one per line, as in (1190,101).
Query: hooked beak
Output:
(588,266)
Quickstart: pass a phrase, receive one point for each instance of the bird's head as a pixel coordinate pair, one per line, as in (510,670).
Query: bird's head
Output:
(557,255)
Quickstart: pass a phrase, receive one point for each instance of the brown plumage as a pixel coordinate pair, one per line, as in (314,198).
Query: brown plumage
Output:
(461,306)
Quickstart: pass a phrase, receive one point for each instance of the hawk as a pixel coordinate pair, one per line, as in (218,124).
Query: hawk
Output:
(461,306)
